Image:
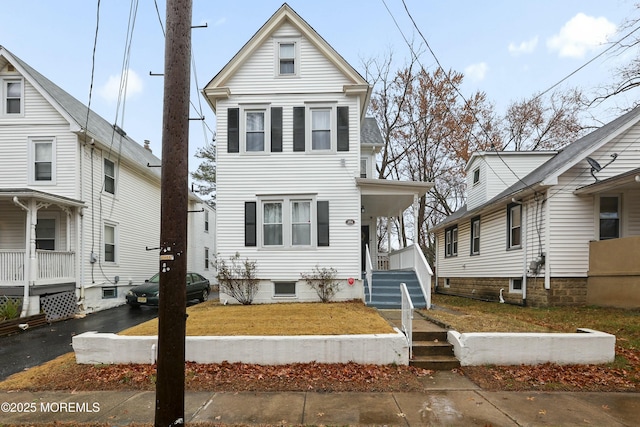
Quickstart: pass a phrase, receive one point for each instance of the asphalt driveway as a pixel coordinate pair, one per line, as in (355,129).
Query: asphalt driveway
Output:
(36,346)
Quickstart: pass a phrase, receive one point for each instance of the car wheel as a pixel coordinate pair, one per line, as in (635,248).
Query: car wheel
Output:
(204,296)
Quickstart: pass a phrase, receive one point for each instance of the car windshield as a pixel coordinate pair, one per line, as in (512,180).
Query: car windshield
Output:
(155,278)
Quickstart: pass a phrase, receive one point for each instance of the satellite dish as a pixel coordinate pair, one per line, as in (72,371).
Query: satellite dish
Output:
(595,166)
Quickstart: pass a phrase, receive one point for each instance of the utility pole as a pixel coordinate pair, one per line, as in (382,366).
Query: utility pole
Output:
(173,223)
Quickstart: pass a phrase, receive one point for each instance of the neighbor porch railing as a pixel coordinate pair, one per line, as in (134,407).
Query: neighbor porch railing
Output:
(412,258)
(383,261)
(407,316)
(52,266)
(11,266)
(369,270)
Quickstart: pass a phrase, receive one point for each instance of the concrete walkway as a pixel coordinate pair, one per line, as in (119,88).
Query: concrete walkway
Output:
(448,399)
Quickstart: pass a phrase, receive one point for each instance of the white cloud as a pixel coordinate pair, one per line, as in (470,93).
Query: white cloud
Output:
(220,21)
(527,46)
(110,90)
(581,34)
(476,72)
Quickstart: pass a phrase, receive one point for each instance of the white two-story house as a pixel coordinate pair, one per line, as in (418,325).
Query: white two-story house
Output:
(79,202)
(296,160)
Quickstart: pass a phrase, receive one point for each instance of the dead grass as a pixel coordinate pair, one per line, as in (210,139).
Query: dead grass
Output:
(213,319)
(467,315)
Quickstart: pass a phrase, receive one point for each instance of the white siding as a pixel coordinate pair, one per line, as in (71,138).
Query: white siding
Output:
(494,259)
(199,239)
(316,74)
(574,220)
(631,203)
(499,171)
(243,177)
(135,211)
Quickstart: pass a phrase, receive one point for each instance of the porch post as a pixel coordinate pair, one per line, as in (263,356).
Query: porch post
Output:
(33,262)
(389,235)
(416,206)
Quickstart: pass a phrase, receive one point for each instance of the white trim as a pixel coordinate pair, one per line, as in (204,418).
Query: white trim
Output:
(4,92)
(286,201)
(116,243)
(310,107)
(248,108)
(513,290)
(277,42)
(31,169)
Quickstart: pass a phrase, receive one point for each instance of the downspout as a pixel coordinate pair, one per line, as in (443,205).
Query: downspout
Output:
(524,252)
(547,236)
(29,255)
(80,232)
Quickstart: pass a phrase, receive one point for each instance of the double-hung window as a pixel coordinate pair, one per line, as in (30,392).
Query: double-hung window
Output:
(42,164)
(109,243)
(291,221)
(255,130)
(321,129)
(609,217)
(514,226)
(451,241)
(475,236)
(287,58)
(109,176)
(272,230)
(13,96)
(46,234)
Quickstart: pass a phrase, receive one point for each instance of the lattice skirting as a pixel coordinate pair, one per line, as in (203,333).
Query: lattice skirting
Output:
(60,305)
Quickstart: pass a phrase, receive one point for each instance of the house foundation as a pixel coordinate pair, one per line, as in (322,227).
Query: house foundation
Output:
(563,290)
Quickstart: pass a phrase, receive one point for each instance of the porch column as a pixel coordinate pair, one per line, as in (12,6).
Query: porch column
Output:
(389,235)
(416,208)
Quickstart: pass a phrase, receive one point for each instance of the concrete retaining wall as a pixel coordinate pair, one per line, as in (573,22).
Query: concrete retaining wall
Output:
(583,347)
(379,349)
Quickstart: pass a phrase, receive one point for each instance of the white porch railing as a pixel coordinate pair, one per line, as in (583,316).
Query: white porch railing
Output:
(383,261)
(52,266)
(412,258)
(369,272)
(55,264)
(407,316)
(11,266)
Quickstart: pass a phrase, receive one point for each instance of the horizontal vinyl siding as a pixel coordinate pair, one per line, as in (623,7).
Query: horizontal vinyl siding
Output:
(198,239)
(40,119)
(631,203)
(242,177)
(12,226)
(494,259)
(316,72)
(135,210)
(574,220)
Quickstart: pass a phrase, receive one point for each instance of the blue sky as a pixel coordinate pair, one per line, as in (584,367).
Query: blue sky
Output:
(508,49)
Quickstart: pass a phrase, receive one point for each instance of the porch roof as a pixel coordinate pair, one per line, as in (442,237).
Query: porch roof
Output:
(385,198)
(627,180)
(10,193)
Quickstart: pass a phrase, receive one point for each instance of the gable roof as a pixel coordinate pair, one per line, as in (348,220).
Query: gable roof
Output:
(76,113)
(548,173)
(216,87)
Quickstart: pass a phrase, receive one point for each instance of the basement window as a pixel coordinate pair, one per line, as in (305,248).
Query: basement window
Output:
(284,289)
(515,285)
(108,293)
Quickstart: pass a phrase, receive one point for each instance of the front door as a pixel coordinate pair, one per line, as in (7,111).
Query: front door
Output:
(364,241)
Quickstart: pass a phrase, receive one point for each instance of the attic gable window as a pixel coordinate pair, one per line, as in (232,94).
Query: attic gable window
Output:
(287,58)
(476,176)
(13,95)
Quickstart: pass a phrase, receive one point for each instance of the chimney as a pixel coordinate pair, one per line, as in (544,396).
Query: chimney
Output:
(146,145)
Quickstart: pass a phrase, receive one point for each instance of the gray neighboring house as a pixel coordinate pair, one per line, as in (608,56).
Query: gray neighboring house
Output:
(549,228)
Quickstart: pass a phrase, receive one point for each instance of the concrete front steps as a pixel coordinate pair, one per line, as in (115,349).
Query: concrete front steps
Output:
(431,350)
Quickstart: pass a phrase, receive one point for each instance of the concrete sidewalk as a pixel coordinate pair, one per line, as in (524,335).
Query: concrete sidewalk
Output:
(448,399)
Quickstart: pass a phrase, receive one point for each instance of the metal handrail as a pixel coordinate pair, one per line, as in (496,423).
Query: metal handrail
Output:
(407,316)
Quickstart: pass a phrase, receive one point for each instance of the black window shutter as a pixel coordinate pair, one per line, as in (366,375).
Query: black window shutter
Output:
(343,128)
(276,129)
(298,129)
(233,130)
(323,223)
(250,223)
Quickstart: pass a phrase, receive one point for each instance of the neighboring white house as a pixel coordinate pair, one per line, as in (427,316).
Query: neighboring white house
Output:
(549,228)
(296,162)
(79,201)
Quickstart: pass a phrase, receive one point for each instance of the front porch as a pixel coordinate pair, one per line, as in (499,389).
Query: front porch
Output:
(38,251)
